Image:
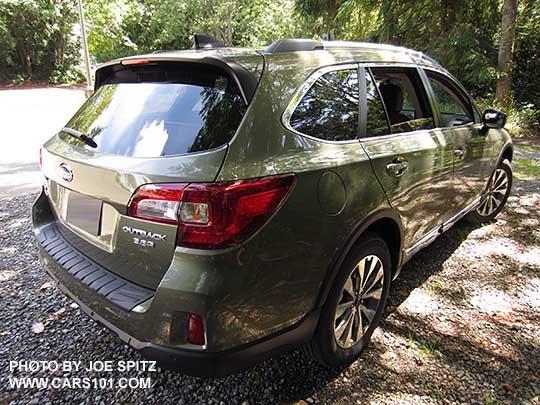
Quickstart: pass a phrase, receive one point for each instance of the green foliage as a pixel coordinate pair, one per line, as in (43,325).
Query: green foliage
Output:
(526,76)
(463,35)
(124,27)
(448,30)
(107,38)
(39,38)
(359,19)
(322,15)
(525,119)
(524,168)
(35,40)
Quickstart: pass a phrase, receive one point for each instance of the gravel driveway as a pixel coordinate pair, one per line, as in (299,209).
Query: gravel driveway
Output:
(463,326)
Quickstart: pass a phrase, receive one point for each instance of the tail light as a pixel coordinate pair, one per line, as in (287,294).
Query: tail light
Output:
(40,158)
(212,215)
(157,202)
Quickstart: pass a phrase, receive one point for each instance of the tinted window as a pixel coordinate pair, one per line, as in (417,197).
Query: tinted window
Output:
(329,110)
(404,98)
(197,111)
(377,123)
(454,108)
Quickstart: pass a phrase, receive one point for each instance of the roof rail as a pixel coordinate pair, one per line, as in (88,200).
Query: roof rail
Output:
(293,45)
(429,59)
(202,41)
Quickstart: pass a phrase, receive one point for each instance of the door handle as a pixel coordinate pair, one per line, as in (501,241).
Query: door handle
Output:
(398,167)
(459,153)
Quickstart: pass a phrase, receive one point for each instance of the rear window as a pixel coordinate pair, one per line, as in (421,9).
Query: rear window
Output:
(154,111)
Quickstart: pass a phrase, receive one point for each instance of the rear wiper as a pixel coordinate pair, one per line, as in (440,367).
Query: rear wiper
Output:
(79,135)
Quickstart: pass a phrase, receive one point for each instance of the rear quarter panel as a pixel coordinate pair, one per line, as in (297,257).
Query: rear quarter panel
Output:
(283,266)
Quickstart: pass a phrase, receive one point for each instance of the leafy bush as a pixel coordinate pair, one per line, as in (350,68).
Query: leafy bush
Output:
(525,73)
(526,121)
(123,27)
(36,38)
(71,75)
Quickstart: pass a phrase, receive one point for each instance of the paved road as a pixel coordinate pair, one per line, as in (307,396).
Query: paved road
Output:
(27,119)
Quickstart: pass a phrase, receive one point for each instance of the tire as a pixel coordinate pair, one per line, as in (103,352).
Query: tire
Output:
(494,196)
(329,346)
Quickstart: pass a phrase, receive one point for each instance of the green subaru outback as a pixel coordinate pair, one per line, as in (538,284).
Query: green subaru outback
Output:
(216,206)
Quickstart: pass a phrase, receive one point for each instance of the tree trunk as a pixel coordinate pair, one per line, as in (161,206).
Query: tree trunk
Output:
(22,49)
(390,21)
(229,29)
(449,14)
(330,23)
(504,83)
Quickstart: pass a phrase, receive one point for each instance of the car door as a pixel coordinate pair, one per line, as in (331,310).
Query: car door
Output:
(411,159)
(454,114)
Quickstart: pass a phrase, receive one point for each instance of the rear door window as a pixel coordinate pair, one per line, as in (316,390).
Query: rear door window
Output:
(329,109)
(160,111)
(376,121)
(404,98)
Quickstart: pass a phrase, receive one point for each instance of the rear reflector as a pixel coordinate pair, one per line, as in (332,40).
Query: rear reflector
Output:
(212,215)
(196,330)
(195,213)
(40,158)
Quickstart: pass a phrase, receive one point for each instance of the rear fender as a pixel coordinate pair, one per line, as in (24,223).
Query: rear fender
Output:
(355,234)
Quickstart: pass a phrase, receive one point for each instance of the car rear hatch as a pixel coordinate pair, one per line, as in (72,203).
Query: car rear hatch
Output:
(151,120)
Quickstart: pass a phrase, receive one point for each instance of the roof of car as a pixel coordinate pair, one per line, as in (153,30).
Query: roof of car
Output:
(246,64)
(365,47)
(358,51)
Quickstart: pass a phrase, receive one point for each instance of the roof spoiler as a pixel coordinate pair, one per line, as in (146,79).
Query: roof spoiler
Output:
(246,81)
(202,41)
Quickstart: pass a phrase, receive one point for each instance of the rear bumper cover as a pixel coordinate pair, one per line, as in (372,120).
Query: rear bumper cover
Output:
(211,364)
(121,292)
(63,263)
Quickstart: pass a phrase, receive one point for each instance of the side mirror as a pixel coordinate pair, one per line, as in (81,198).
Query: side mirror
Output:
(493,119)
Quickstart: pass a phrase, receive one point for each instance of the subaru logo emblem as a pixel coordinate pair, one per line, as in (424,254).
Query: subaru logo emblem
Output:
(66,173)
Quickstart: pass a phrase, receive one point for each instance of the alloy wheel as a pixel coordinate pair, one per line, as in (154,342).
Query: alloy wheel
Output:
(359,301)
(494,194)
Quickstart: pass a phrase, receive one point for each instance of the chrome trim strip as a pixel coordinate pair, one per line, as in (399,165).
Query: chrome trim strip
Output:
(435,232)
(451,222)
(313,77)
(425,240)
(373,139)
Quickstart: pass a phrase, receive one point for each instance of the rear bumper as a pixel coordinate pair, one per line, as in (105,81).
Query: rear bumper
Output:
(121,292)
(149,331)
(212,364)
(209,364)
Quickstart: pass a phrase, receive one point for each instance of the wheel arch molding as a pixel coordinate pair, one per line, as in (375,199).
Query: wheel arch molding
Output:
(507,152)
(383,221)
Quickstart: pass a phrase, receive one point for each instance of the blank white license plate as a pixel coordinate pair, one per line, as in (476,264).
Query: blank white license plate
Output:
(84,212)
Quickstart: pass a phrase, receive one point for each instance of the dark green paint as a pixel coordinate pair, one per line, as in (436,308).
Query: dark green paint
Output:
(274,279)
